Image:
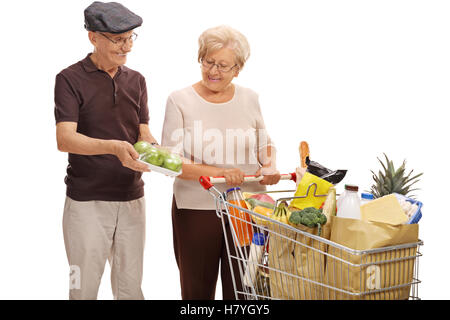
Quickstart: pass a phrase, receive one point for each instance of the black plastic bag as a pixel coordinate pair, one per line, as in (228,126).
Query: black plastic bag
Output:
(317,169)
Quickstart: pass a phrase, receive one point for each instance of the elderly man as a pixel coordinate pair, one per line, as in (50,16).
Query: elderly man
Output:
(101,111)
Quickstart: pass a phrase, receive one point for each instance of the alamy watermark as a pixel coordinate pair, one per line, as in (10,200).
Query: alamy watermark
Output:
(212,146)
(75,277)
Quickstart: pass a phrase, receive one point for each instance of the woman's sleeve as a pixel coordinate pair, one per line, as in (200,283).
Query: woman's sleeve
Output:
(173,130)
(266,150)
(263,137)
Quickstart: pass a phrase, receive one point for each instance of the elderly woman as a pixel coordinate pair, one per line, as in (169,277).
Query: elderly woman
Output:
(218,128)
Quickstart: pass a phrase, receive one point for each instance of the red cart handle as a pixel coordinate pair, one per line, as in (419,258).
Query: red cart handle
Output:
(208,182)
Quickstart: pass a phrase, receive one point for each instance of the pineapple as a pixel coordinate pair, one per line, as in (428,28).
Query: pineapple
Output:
(393,180)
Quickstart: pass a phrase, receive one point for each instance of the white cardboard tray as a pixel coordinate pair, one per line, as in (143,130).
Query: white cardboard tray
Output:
(162,170)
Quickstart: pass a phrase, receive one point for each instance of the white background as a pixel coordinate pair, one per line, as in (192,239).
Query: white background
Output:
(353,78)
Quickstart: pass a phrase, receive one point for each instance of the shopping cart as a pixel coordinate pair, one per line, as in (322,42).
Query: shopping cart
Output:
(295,264)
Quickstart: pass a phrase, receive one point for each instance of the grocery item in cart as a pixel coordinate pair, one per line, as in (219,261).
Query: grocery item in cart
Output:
(294,253)
(317,169)
(310,262)
(366,197)
(240,219)
(308,253)
(310,217)
(281,213)
(254,260)
(263,283)
(281,261)
(386,209)
(349,204)
(393,180)
(329,206)
(295,262)
(411,207)
(260,203)
(366,273)
(333,176)
(310,189)
(254,200)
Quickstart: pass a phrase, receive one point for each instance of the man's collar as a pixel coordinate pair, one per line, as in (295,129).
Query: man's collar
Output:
(89,66)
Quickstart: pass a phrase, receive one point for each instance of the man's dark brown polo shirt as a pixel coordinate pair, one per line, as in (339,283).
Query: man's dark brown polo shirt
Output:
(104,108)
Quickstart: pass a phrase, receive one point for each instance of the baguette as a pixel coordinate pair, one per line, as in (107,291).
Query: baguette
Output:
(304,152)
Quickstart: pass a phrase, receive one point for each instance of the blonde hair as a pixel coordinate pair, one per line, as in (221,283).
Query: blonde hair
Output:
(224,36)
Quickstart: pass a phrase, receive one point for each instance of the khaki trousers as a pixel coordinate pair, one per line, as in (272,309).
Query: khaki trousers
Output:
(95,231)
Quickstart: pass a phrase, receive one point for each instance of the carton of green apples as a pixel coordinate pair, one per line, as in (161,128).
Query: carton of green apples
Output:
(159,159)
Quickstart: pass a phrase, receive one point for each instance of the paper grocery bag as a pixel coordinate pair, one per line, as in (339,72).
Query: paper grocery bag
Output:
(282,263)
(361,273)
(310,262)
(302,190)
(297,261)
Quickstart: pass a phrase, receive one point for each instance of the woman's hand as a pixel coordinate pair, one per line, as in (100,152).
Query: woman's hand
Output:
(128,156)
(270,175)
(233,176)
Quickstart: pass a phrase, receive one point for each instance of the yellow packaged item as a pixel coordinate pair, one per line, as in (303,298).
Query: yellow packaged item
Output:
(310,200)
(386,209)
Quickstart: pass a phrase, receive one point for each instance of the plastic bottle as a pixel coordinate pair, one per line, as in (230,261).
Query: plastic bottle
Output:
(241,220)
(339,200)
(350,203)
(366,197)
(254,259)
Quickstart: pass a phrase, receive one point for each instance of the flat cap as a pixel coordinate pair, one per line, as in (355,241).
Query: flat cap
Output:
(111,17)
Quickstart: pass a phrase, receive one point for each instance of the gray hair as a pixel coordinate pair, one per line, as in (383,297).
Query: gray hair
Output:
(224,36)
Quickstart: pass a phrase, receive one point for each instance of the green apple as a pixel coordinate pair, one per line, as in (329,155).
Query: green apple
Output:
(153,149)
(165,153)
(154,157)
(142,147)
(173,162)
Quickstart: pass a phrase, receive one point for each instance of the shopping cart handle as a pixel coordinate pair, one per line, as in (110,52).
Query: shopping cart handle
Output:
(208,182)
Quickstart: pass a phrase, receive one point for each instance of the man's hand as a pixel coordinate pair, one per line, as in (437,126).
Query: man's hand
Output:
(69,140)
(128,156)
(270,176)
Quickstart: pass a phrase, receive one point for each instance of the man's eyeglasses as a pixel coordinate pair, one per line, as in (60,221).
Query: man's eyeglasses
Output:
(121,40)
(209,64)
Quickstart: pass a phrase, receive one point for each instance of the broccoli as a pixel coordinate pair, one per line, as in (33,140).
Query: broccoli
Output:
(322,218)
(311,209)
(310,217)
(296,217)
